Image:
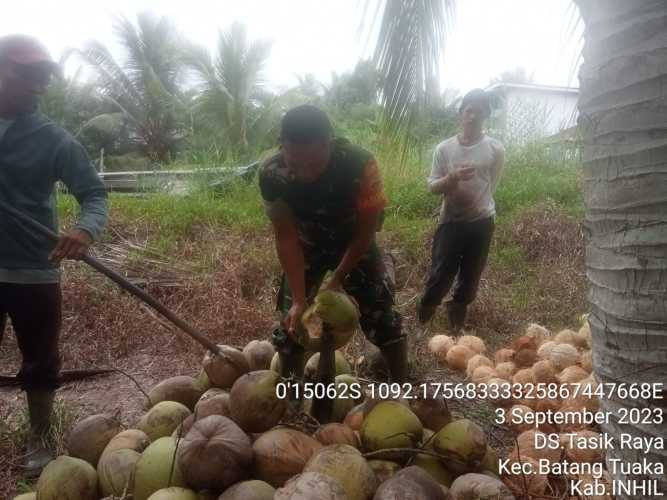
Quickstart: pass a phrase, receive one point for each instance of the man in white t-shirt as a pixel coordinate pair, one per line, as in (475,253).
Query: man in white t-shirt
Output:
(466,169)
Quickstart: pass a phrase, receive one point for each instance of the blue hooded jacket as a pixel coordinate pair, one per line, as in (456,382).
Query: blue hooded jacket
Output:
(35,153)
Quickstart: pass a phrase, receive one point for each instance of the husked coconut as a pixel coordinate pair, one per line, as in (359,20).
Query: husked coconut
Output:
(483,374)
(473,486)
(582,446)
(383,469)
(544,350)
(505,370)
(602,485)
(282,453)
(498,391)
(537,332)
(535,483)
(520,417)
(162,419)
(410,483)
(476,361)
(115,471)
(214,454)
(346,464)
(185,390)
(524,376)
(157,469)
(336,433)
(89,437)
(67,477)
(223,370)
(258,354)
(174,493)
(341,365)
(524,342)
(586,361)
(504,355)
(565,337)
(524,358)
(473,343)
(390,425)
(572,374)
(563,355)
(246,490)
(458,357)
(544,372)
(431,408)
(254,401)
(438,345)
(311,485)
(463,443)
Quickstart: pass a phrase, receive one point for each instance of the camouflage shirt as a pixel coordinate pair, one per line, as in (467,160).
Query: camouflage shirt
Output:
(325,211)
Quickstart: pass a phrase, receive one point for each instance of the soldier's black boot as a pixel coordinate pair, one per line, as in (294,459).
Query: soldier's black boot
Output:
(395,353)
(291,357)
(456,316)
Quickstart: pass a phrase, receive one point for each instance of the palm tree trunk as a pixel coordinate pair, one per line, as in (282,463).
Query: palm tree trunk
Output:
(623,116)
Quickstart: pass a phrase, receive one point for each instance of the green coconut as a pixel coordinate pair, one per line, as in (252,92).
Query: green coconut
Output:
(479,487)
(282,453)
(162,419)
(355,387)
(254,401)
(463,443)
(383,469)
(311,485)
(342,365)
(90,436)
(410,483)
(275,363)
(203,380)
(490,461)
(131,439)
(214,405)
(259,354)
(67,478)
(434,467)
(214,454)
(337,310)
(26,496)
(156,469)
(346,464)
(173,493)
(390,425)
(115,471)
(223,370)
(247,490)
(185,390)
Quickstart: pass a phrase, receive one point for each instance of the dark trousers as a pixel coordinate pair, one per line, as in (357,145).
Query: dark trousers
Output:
(460,250)
(369,284)
(36,313)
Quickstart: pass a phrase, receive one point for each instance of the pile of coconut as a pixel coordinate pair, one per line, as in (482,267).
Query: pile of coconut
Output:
(225,434)
(537,373)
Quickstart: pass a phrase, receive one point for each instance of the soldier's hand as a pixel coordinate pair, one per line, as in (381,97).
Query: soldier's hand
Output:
(71,245)
(293,317)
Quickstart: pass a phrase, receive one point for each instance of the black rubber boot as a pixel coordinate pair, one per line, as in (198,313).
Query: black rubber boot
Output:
(291,356)
(456,316)
(40,407)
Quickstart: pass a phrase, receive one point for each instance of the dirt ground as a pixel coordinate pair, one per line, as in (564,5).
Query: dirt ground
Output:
(232,302)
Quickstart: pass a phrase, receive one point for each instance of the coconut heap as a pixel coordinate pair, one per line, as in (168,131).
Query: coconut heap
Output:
(538,373)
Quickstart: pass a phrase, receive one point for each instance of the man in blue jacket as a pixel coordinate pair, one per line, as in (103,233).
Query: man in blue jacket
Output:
(35,153)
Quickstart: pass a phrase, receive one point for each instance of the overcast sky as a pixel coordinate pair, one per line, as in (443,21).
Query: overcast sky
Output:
(319,36)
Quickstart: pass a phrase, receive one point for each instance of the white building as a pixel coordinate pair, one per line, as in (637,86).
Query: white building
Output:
(527,111)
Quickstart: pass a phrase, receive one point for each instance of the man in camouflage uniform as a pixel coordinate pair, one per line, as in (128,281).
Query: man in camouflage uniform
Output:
(325,199)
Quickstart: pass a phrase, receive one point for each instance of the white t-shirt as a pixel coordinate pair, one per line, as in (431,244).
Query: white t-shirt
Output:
(487,156)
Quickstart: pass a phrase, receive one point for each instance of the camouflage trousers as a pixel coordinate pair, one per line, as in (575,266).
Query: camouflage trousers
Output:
(370,283)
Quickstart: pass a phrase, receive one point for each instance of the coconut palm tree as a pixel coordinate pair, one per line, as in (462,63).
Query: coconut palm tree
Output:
(623,109)
(232,100)
(623,105)
(146,86)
